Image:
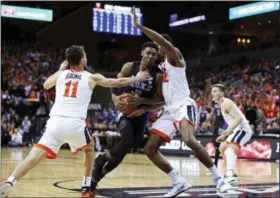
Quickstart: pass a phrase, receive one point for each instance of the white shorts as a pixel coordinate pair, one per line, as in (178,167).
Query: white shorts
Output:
(61,130)
(240,136)
(168,123)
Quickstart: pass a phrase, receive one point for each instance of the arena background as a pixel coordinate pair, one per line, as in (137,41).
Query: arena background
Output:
(238,48)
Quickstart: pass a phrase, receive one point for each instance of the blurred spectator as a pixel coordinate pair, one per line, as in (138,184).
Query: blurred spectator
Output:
(16,137)
(253,85)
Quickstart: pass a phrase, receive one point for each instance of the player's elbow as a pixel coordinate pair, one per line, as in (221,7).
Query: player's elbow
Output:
(46,85)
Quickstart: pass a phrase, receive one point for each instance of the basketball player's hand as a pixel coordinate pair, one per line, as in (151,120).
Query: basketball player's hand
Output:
(222,138)
(204,126)
(134,100)
(134,18)
(143,76)
(63,65)
(221,131)
(118,103)
(135,113)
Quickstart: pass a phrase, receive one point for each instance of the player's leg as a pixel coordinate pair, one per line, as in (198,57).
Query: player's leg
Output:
(187,121)
(222,148)
(151,150)
(230,153)
(88,164)
(235,141)
(217,153)
(33,158)
(115,155)
(48,146)
(162,131)
(79,139)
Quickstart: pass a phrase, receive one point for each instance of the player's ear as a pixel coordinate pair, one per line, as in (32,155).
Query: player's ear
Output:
(142,53)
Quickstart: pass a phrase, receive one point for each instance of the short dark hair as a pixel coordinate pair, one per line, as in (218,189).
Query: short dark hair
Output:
(74,55)
(150,44)
(167,37)
(220,86)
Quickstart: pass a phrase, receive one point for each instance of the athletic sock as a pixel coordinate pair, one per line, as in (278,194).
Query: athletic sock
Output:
(12,180)
(86,181)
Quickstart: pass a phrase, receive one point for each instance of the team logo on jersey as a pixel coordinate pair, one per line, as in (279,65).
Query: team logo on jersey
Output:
(142,86)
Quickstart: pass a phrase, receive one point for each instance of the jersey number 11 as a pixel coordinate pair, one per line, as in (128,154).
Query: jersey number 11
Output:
(73,89)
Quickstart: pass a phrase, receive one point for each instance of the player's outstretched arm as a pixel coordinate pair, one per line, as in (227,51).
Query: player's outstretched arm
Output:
(98,79)
(51,81)
(172,52)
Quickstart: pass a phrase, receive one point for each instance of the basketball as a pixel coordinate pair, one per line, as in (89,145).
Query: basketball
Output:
(126,98)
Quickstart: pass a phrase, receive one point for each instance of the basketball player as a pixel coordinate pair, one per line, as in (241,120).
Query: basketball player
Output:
(219,124)
(67,117)
(131,129)
(179,113)
(235,135)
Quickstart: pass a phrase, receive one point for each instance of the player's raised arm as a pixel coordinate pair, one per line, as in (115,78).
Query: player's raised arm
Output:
(172,52)
(98,79)
(51,81)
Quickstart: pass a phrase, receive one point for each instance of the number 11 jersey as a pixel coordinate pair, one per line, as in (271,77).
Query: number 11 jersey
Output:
(73,94)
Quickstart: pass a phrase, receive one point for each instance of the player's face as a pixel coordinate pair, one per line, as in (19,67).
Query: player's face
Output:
(149,56)
(216,94)
(161,54)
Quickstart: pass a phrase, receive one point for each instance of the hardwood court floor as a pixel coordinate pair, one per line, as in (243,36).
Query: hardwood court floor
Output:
(136,175)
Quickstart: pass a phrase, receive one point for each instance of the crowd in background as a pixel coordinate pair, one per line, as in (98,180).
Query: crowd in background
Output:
(254,86)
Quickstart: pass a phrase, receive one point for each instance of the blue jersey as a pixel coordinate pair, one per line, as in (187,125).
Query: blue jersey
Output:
(219,119)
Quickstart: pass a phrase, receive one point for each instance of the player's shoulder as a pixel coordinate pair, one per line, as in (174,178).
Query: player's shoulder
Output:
(227,102)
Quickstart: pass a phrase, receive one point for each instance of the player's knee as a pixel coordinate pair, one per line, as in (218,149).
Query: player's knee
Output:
(187,132)
(234,147)
(150,150)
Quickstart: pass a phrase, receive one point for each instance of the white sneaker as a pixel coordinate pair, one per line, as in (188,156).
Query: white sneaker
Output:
(6,189)
(178,188)
(223,186)
(231,178)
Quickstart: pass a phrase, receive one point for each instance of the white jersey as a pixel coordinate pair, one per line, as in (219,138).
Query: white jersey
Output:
(175,87)
(229,119)
(73,95)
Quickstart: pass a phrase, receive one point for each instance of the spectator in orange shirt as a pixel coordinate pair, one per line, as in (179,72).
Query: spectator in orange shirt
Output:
(270,111)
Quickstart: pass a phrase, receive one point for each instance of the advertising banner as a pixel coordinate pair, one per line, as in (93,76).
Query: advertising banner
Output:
(26,13)
(258,147)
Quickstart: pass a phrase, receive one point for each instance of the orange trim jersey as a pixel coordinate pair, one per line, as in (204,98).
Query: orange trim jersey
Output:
(73,94)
